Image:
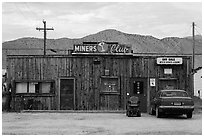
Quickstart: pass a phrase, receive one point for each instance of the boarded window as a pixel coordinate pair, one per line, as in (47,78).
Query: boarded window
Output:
(45,87)
(31,88)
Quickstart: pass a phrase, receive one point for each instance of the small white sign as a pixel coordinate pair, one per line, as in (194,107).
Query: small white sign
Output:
(168,71)
(152,82)
(169,61)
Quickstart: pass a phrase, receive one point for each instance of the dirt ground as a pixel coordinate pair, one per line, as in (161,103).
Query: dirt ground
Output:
(98,124)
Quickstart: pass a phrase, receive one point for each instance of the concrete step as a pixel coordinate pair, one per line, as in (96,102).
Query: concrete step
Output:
(73,111)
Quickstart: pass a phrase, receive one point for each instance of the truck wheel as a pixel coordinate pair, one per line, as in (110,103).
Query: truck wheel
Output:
(189,115)
(158,114)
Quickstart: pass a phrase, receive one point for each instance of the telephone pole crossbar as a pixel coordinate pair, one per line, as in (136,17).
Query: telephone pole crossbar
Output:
(45,30)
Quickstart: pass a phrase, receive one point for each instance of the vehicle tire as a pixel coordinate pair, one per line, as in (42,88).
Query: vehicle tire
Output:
(139,114)
(189,115)
(152,112)
(158,114)
(128,113)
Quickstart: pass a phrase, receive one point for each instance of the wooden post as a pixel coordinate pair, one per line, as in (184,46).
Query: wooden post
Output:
(193,59)
(148,87)
(45,29)
(44,22)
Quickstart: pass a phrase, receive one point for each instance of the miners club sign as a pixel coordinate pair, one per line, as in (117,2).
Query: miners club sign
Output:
(101,48)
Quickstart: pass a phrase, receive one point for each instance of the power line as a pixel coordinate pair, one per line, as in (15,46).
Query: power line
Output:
(198,26)
(198,32)
(188,30)
(29,18)
(31,11)
(20,11)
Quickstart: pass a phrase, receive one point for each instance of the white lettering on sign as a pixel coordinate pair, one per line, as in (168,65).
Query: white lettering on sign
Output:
(169,60)
(80,48)
(102,47)
(118,49)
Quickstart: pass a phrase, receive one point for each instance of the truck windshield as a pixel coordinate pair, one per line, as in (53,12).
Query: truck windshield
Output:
(174,94)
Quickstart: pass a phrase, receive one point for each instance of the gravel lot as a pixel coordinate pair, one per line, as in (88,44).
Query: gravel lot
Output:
(98,124)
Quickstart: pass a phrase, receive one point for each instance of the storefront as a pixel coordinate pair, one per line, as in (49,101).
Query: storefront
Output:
(96,76)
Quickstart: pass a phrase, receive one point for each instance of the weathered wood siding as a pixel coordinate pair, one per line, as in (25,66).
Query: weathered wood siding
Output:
(29,102)
(88,75)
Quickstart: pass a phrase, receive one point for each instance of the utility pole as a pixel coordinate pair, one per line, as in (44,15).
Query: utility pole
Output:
(45,29)
(193,58)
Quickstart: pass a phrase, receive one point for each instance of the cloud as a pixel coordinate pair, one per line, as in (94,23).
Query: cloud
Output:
(172,30)
(46,12)
(79,19)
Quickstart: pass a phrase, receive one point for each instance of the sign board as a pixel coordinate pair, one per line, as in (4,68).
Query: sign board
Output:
(169,61)
(102,48)
(152,82)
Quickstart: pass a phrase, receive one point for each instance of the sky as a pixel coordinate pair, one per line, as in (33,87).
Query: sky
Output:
(77,20)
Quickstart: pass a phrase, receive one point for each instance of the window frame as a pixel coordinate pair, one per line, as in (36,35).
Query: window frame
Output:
(52,87)
(109,92)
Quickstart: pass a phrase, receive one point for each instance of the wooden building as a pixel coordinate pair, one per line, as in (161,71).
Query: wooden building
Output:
(94,79)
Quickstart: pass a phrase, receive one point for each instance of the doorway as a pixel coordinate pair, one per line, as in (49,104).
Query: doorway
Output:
(139,89)
(67,94)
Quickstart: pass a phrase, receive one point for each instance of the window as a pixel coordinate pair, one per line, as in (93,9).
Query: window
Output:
(35,87)
(109,85)
(43,87)
(21,87)
(174,94)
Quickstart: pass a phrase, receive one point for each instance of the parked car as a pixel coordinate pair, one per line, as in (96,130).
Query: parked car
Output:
(172,102)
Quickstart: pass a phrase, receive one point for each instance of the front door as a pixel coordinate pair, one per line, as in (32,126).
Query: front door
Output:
(67,94)
(139,89)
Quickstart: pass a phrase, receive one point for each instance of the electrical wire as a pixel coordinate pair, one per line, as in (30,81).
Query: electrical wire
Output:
(188,30)
(198,32)
(198,26)
(19,10)
(33,14)
(24,14)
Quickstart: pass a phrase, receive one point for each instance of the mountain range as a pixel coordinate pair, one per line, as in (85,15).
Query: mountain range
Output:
(140,44)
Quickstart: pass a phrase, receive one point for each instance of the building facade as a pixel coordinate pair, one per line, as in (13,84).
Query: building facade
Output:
(198,83)
(86,80)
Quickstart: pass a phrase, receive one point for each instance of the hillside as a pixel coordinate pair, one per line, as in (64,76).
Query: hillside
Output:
(140,44)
